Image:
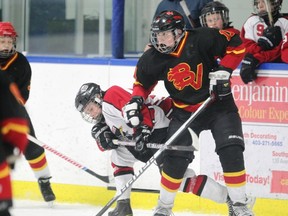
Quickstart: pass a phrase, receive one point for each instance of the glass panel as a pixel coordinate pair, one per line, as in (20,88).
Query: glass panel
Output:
(67,27)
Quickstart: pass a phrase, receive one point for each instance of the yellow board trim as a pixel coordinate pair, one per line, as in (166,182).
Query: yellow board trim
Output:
(99,196)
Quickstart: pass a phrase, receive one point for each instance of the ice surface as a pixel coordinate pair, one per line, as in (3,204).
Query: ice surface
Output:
(37,208)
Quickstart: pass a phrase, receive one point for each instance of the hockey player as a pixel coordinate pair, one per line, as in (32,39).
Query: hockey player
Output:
(17,67)
(13,134)
(104,110)
(262,37)
(284,49)
(184,60)
(216,15)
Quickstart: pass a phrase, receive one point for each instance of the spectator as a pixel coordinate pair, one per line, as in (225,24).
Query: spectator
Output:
(216,15)
(262,34)
(194,7)
(284,49)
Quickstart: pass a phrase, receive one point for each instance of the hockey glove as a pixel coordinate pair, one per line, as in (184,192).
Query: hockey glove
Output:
(272,36)
(141,137)
(103,136)
(247,70)
(131,112)
(220,84)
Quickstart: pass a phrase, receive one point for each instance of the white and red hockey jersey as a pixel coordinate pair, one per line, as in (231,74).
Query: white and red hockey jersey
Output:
(155,112)
(253,29)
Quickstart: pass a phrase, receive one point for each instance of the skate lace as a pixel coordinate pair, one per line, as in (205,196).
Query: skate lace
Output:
(241,209)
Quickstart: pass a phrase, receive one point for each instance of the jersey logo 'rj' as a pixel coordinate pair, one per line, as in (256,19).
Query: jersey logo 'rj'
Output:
(182,76)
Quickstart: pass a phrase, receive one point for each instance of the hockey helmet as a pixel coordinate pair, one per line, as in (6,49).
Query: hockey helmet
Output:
(275,6)
(215,7)
(7,30)
(167,21)
(89,92)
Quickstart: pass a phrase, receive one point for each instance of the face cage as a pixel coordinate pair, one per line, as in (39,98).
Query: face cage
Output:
(6,54)
(90,119)
(224,15)
(87,117)
(162,47)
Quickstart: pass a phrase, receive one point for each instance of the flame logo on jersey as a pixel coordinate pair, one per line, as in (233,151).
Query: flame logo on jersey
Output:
(182,76)
(227,34)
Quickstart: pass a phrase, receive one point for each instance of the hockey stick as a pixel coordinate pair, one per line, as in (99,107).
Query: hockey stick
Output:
(194,147)
(154,145)
(106,179)
(187,12)
(268,8)
(156,155)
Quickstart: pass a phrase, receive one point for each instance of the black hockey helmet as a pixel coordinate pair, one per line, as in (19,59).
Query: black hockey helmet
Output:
(89,92)
(215,7)
(167,21)
(275,6)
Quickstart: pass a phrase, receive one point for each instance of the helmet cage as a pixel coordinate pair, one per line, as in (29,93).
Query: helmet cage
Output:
(88,93)
(275,6)
(164,22)
(163,48)
(7,30)
(215,8)
(88,117)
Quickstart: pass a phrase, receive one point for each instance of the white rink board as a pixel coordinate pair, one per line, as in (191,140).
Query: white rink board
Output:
(58,124)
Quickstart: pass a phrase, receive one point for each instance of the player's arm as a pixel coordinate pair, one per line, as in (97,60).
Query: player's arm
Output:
(234,50)
(25,80)
(284,49)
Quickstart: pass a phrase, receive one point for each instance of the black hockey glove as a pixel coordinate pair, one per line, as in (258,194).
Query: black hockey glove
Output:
(220,84)
(141,137)
(247,70)
(132,112)
(103,136)
(272,36)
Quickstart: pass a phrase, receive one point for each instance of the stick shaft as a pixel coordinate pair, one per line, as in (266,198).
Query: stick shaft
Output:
(187,13)
(68,159)
(155,145)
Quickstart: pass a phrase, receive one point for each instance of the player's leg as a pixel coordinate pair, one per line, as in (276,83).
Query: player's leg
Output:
(174,166)
(228,136)
(203,186)
(5,183)
(122,163)
(35,155)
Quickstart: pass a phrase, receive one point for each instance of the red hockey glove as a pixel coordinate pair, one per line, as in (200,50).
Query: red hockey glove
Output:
(132,112)
(103,136)
(220,84)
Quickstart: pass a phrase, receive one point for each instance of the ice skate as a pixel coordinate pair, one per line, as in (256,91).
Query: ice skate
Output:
(123,208)
(46,190)
(241,209)
(163,209)
(229,204)
(4,207)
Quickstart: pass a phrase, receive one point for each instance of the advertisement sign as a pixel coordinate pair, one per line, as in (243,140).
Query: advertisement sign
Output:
(263,107)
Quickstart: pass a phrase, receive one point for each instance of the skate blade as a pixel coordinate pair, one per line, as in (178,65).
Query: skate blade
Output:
(50,204)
